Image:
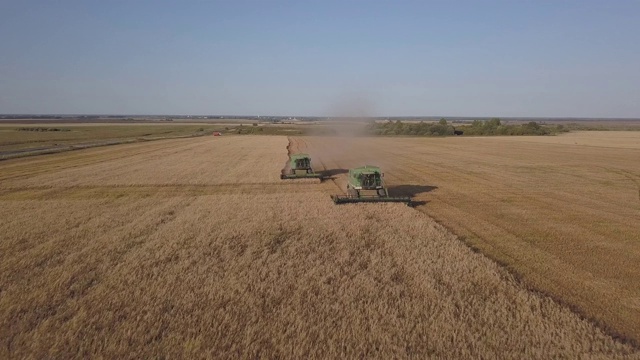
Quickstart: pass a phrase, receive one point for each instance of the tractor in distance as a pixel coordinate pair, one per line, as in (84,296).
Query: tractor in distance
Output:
(366,184)
(299,167)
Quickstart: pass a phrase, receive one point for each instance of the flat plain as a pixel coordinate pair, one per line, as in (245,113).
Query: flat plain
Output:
(195,247)
(15,137)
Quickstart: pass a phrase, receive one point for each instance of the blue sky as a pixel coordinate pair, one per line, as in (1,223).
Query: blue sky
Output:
(384,58)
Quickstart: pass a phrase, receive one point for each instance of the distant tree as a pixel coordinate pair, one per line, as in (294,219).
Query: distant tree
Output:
(533,125)
(442,121)
(493,123)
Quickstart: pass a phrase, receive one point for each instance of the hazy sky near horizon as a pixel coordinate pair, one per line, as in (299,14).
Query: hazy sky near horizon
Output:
(381,58)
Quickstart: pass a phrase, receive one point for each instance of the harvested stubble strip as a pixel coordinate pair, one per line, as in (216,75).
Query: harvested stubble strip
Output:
(301,181)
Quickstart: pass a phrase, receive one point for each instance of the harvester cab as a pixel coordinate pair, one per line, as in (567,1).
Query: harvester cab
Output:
(366,184)
(299,167)
(302,162)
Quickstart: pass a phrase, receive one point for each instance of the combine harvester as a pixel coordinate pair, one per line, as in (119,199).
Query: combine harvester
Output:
(299,167)
(366,184)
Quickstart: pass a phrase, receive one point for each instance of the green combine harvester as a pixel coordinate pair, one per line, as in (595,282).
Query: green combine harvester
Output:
(299,167)
(366,184)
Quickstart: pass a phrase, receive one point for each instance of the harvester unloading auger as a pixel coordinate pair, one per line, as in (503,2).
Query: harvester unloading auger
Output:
(299,167)
(366,184)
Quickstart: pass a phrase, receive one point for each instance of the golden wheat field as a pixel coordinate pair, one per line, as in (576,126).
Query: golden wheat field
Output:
(562,212)
(196,248)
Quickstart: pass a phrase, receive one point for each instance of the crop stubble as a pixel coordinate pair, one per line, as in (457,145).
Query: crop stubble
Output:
(152,249)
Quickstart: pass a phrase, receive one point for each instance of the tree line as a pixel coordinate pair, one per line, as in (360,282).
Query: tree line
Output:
(477,127)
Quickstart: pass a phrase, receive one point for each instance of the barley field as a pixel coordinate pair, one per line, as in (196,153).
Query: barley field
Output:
(196,248)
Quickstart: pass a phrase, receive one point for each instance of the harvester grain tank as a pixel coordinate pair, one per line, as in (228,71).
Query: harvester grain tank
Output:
(299,167)
(366,184)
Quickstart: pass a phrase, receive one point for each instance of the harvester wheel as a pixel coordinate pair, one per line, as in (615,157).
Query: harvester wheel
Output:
(382,193)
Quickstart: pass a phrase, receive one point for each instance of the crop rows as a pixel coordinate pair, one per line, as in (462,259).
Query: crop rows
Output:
(150,250)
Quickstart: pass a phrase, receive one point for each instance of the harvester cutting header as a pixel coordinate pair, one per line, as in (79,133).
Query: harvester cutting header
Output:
(299,167)
(366,184)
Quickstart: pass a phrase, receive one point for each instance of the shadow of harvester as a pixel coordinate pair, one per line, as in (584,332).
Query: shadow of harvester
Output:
(334,172)
(411,191)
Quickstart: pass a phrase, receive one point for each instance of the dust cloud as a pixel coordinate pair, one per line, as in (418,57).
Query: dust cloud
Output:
(349,119)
